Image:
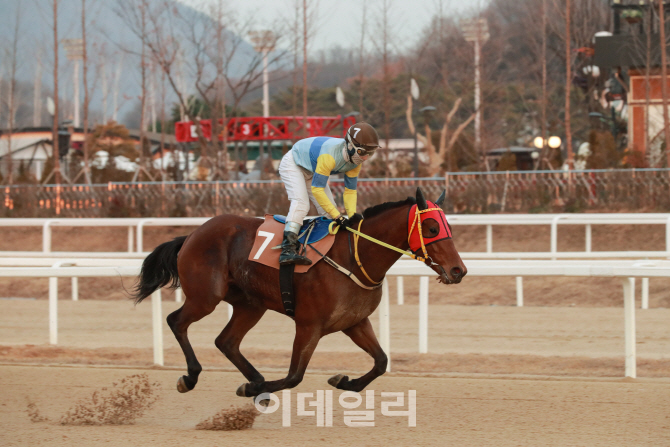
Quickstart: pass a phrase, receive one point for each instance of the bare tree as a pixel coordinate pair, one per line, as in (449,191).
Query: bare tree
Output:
(11,103)
(37,90)
(664,77)
(143,6)
(305,40)
(568,85)
(443,153)
(115,97)
(544,84)
(87,175)
(647,78)
(55,150)
(168,31)
(295,45)
(574,23)
(384,48)
(361,61)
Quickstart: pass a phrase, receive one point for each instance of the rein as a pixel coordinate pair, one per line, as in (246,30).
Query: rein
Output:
(357,234)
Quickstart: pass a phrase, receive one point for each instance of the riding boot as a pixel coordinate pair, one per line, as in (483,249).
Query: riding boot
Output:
(289,253)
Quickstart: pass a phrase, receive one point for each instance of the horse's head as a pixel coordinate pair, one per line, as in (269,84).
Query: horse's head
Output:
(430,237)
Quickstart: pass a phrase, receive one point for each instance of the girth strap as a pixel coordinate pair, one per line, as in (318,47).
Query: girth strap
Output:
(286,288)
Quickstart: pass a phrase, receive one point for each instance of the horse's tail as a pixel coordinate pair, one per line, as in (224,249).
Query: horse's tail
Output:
(159,269)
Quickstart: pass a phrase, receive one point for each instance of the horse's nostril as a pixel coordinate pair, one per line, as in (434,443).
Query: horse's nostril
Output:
(456,272)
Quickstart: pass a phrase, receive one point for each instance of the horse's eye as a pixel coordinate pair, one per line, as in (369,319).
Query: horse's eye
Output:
(434,230)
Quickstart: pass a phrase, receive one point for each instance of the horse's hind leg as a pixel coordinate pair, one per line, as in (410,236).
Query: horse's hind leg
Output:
(244,318)
(363,335)
(179,321)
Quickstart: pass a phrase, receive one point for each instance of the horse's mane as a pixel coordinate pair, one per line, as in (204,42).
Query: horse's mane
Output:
(378,209)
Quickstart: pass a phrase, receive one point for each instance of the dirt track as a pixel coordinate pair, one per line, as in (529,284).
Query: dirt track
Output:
(450,411)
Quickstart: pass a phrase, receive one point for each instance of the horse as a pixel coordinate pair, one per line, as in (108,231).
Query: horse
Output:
(211,265)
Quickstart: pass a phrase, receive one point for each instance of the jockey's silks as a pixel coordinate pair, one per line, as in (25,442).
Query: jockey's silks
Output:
(414,227)
(325,156)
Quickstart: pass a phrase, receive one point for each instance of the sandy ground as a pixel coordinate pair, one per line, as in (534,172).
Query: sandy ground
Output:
(450,411)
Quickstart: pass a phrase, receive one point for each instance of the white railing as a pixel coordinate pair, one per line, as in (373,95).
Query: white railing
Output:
(136,234)
(137,225)
(627,271)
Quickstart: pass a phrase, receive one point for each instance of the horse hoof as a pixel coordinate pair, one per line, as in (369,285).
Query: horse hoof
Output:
(241,390)
(336,380)
(181,385)
(263,402)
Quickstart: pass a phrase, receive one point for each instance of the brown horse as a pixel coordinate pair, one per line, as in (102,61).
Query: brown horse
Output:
(212,266)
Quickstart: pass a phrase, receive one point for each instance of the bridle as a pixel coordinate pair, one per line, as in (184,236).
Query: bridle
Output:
(416,226)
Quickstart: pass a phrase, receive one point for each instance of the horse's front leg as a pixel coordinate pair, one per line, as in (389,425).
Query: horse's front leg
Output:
(364,336)
(304,344)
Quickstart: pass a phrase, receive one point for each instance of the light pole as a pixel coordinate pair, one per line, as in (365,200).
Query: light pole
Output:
(74,50)
(264,42)
(477,31)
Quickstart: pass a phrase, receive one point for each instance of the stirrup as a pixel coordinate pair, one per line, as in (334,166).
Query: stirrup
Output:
(294,258)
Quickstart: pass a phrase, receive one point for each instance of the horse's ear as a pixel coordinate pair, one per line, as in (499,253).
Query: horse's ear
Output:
(421,200)
(440,201)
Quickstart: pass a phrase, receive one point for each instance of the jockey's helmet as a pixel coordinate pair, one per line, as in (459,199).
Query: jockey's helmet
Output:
(362,139)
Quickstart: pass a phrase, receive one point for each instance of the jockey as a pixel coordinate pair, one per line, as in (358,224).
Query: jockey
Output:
(305,170)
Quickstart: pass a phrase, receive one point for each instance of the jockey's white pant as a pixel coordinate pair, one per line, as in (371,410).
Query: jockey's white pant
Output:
(298,183)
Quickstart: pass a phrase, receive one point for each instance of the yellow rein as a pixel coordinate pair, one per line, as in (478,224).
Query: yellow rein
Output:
(358,234)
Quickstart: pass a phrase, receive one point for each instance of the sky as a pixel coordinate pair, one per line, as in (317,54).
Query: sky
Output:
(340,20)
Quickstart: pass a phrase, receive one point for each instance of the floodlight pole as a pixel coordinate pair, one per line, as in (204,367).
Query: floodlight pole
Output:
(478,99)
(264,42)
(75,80)
(74,50)
(477,31)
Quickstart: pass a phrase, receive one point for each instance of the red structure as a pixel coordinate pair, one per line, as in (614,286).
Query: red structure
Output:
(278,128)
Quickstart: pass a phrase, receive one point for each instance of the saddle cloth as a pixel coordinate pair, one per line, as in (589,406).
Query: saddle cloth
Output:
(319,231)
(270,234)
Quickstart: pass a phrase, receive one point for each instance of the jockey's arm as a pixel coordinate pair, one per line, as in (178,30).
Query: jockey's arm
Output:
(349,196)
(324,165)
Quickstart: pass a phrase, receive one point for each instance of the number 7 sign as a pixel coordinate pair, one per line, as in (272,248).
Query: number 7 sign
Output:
(268,238)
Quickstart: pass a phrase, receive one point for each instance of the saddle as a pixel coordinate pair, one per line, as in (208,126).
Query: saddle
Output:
(313,236)
(267,248)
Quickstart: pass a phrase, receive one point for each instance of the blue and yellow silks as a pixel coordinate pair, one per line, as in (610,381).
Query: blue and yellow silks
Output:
(325,156)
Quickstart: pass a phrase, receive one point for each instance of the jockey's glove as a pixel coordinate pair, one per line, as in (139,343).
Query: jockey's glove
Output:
(342,220)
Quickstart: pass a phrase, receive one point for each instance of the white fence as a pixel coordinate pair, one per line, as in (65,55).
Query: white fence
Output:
(136,226)
(69,264)
(626,271)
(136,236)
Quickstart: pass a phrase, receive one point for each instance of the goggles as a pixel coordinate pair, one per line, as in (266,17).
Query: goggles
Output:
(361,150)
